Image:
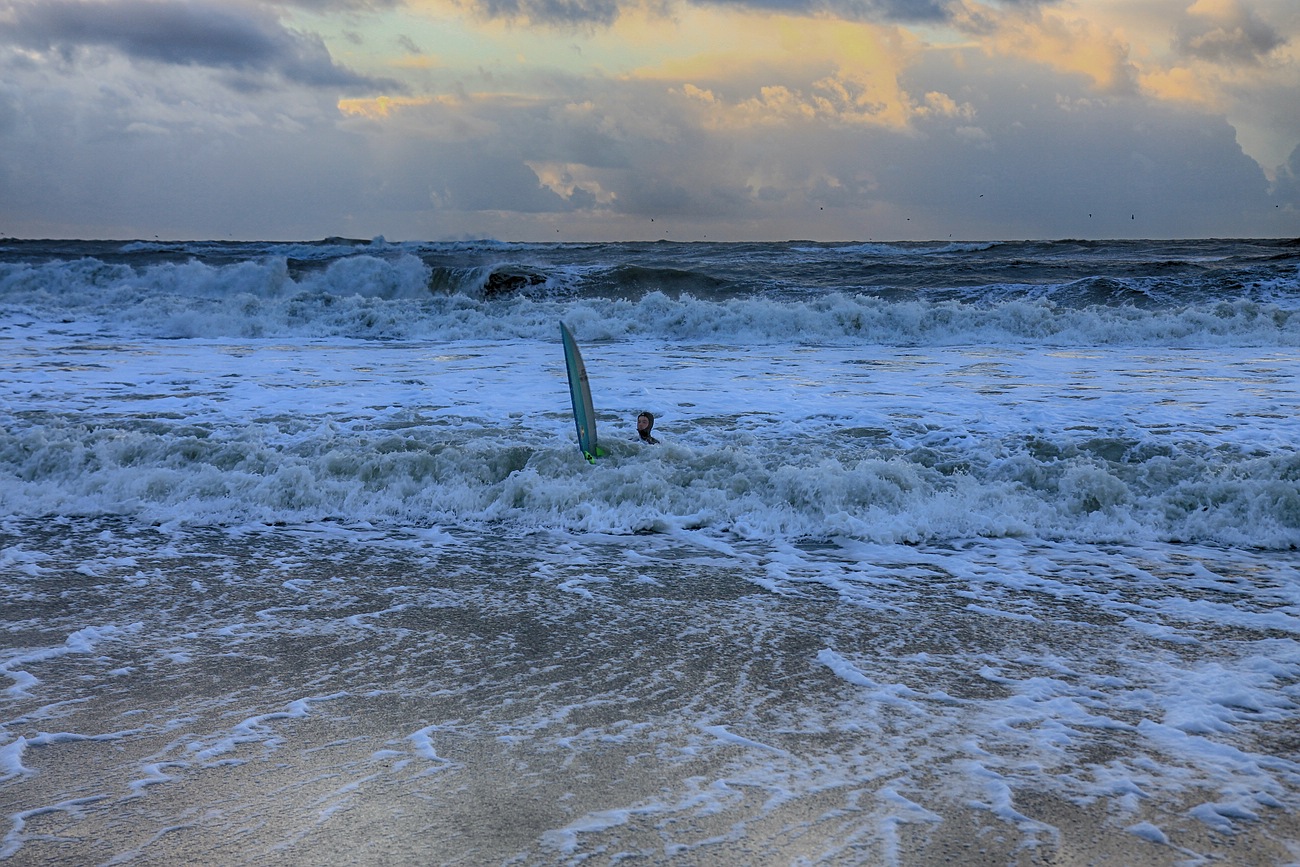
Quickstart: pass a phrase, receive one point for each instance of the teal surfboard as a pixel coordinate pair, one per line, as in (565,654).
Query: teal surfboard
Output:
(584,416)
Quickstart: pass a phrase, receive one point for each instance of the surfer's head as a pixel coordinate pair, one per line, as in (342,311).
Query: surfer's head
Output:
(645,423)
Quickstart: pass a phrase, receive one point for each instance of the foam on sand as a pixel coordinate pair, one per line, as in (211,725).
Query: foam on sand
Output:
(447,697)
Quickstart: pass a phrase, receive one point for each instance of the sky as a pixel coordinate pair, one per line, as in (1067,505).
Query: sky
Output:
(570,120)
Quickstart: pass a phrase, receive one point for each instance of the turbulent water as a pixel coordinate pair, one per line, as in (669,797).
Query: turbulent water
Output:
(942,543)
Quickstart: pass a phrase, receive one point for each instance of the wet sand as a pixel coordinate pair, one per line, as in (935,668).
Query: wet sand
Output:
(290,697)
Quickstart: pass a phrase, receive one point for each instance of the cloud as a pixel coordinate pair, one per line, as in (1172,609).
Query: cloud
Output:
(853,10)
(1286,189)
(718,120)
(820,71)
(1226,32)
(328,6)
(1057,39)
(231,36)
(1018,152)
(562,12)
(581,13)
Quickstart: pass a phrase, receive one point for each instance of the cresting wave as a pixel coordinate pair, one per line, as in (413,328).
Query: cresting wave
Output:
(305,470)
(403,298)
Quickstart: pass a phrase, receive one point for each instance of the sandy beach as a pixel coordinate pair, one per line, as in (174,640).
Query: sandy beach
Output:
(303,696)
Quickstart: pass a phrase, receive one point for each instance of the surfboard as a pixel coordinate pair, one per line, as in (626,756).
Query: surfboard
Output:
(584,416)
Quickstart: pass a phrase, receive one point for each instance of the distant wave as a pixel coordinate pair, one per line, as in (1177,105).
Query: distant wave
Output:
(367,297)
(1069,292)
(903,248)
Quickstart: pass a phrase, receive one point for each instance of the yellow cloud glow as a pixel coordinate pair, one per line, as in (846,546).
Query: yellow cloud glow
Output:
(1064,43)
(377,107)
(766,69)
(1180,84)
(567,178)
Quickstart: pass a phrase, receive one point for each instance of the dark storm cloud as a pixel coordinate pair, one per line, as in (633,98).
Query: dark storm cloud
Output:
(553,11)
(604,12)
(866,10)
(323,6)
(1235,37)
(1286,189)
(231,36)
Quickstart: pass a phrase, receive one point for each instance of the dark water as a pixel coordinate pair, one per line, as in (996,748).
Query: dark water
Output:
(1088,272)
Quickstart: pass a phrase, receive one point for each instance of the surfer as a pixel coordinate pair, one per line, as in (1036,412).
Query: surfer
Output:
(645,423)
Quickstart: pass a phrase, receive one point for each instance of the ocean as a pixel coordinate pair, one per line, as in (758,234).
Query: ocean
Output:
(979,552)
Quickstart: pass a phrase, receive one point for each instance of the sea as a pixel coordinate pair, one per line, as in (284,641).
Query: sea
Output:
(948,552)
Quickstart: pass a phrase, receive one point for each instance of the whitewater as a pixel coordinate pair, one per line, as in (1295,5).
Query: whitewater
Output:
(984,551)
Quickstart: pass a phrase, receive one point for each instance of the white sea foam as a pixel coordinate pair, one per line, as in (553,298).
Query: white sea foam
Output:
(863,443)
(11,759)
(84,640)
